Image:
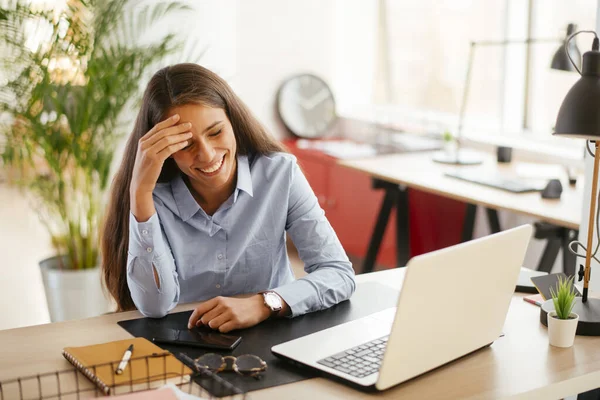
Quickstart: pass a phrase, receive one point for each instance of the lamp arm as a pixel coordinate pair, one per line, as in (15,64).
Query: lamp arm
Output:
(593,214)
(465,97)
(577,242)
(588,253)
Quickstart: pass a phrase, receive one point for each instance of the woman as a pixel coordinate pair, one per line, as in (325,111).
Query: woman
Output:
(200,208)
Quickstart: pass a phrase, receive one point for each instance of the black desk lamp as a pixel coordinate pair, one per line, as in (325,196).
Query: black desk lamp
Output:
(559,62)
(579,117)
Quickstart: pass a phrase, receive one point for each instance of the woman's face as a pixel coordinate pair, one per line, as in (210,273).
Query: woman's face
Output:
(210,158)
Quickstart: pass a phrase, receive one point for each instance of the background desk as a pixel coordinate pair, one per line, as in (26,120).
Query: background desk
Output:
(419,171)
(351,205)
(520,365)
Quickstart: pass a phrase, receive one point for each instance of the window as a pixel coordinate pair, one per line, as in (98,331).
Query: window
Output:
(428,48)
(420,51)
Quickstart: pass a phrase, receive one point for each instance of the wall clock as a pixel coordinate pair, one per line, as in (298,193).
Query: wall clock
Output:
(306,106)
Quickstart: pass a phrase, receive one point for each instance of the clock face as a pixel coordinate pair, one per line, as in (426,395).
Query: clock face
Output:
(306,106)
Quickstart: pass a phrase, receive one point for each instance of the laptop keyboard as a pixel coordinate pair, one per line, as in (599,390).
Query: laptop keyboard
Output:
(511,185)
(359,361)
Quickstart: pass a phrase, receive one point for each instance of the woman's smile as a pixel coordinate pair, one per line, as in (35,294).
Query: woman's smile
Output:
(213,169)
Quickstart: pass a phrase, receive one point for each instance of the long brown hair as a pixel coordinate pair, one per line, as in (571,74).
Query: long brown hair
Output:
(172,86)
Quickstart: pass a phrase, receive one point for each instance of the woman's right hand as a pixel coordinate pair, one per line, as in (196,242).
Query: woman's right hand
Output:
(164,139)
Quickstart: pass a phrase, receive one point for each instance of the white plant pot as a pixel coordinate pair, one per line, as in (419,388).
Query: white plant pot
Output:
(451,148)
(72,294)
(561,332)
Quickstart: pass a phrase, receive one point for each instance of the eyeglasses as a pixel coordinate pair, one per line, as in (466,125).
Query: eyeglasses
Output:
(244,365)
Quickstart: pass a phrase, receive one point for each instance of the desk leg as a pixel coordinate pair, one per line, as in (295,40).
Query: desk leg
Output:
(390,199)
(402,228)
(558,238)
(493,220)
(549,255)
(469,223)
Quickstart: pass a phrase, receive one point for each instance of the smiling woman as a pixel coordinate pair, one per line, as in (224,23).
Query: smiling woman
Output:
(200,208)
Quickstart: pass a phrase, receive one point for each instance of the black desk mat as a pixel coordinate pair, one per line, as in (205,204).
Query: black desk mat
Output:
(369,297)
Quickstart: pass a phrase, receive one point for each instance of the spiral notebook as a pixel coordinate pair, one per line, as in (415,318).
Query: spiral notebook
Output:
(149,366)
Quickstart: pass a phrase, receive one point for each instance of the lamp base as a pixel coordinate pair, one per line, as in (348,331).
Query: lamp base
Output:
(589,315)
(457,158)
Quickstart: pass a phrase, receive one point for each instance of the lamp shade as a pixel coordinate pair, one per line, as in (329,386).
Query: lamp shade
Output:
(579,114)
(560,60)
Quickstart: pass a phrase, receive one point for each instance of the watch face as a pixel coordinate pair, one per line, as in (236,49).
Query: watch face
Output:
(306,106)
(273,301)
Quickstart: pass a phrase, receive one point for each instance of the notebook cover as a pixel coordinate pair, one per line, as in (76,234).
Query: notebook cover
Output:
(370,297)
(98,362)
(544,283)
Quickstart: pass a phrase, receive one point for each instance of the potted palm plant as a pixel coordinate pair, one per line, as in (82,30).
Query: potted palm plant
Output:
(562,322)
(68,75)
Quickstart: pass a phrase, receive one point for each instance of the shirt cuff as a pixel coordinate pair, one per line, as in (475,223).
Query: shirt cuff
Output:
(145,238)
(294,294)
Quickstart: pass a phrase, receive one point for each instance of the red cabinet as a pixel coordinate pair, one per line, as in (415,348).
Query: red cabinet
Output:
(352,205)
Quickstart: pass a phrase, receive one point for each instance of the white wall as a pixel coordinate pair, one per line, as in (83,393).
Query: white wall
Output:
(256,45)
(334,39)
(275,40)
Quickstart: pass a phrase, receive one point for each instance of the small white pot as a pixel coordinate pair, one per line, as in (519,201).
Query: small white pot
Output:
(451,147)
(561,332)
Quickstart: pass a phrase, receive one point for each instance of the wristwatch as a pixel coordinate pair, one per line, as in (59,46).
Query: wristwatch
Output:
(272,301)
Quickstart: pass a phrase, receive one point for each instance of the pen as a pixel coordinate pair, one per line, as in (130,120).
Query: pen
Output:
(533,301)
(124,360)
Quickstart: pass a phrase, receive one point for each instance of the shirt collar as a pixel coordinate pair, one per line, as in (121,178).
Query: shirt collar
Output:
(244,179)
(188,206)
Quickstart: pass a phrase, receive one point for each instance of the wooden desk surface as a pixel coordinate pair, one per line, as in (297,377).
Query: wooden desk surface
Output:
(419,171)
(519,365)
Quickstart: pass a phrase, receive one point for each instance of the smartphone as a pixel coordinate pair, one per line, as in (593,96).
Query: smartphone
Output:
(197,337)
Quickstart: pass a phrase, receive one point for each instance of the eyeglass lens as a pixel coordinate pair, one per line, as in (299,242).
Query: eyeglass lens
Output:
(249,364)
(211,361)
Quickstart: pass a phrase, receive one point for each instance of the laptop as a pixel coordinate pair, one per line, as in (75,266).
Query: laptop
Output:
(424,331)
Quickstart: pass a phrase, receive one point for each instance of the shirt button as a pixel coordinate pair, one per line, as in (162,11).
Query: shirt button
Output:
(149,249)
(145,232)
(220,256)
(218,286)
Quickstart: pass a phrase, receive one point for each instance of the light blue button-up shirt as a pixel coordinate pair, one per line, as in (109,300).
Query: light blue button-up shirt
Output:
(241,247)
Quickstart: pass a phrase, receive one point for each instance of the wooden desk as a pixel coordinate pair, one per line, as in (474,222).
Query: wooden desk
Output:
(520,365)
(419,171)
